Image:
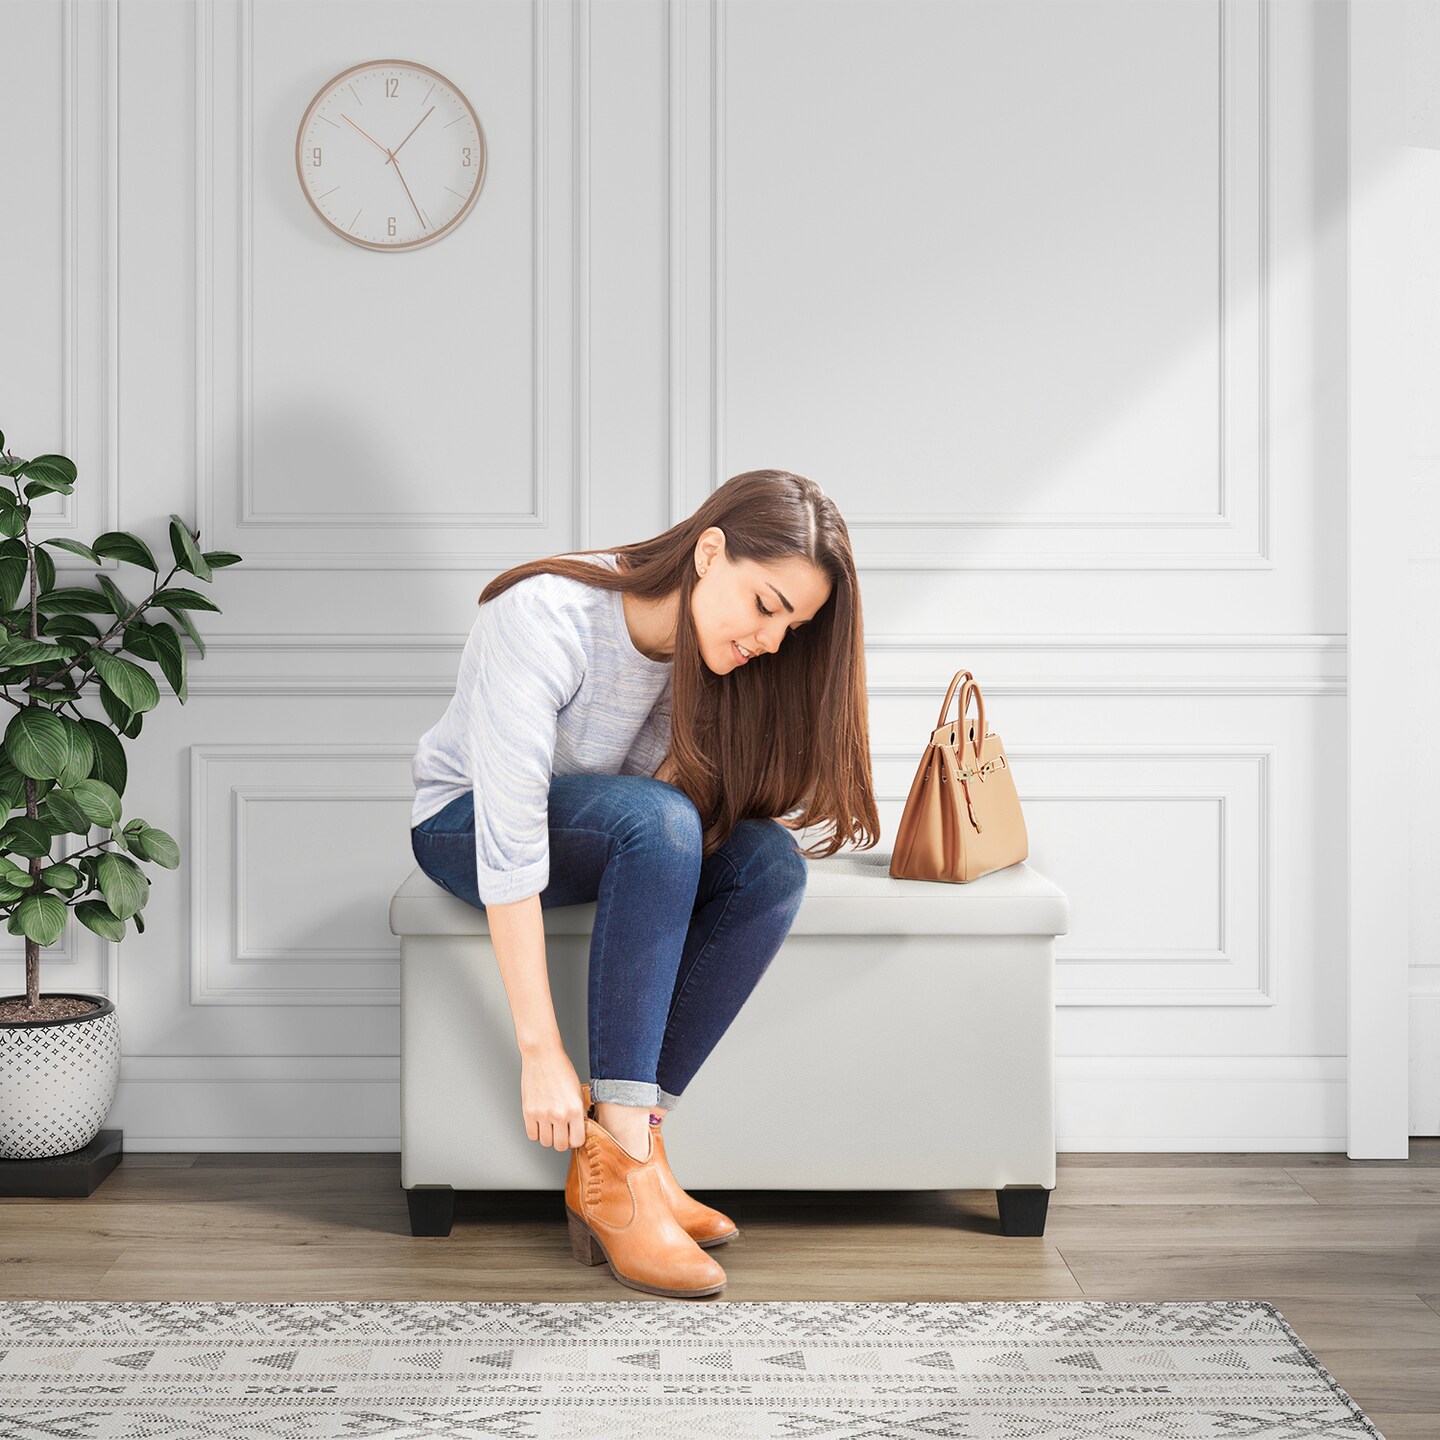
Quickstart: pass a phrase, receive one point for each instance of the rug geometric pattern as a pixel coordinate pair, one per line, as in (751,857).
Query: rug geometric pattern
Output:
(663,1370)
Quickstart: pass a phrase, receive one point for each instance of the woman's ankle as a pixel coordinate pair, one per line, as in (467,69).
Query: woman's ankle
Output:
(629,1124)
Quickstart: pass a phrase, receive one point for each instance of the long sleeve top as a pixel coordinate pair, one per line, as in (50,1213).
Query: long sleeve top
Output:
(550,683)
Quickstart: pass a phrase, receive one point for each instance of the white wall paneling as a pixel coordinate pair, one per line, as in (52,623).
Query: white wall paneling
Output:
(61,376)
(285,908)
(315,357)
(829,254)
(1050,298)
(62,379)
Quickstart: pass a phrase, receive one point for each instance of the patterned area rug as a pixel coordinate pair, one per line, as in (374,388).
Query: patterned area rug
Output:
(646,1370)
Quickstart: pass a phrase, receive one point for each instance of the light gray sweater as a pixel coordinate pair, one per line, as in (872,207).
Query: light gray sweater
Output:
(550,683)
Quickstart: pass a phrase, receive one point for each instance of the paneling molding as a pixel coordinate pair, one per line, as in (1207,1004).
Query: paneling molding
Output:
(375,663)
(1250,966)
(218,869)
(248,796)
(1242,520)
(221,923)
(229,516)
(89,331)
(88,244)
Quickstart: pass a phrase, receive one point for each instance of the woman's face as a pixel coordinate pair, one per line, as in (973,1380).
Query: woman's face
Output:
(727,602)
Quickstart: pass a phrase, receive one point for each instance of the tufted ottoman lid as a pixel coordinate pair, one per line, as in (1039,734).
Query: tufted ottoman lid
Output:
(850,893)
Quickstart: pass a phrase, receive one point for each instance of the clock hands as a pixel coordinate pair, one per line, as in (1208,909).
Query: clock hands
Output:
(413,129)
(391,154)
(373,141)
(418,215)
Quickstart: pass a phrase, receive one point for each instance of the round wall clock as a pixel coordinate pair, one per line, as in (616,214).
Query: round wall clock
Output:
(390,155)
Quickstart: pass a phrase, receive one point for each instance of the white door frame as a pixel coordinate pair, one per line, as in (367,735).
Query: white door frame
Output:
(1378,672)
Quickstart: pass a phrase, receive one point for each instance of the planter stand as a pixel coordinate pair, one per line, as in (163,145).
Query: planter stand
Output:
(78,1173)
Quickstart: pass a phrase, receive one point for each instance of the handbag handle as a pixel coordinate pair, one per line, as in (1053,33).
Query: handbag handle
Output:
(967,689)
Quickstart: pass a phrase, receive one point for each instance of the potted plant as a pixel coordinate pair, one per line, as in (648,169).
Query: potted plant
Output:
(62,774)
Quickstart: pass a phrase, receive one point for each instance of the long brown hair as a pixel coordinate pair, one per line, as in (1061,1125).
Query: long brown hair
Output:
(791,730)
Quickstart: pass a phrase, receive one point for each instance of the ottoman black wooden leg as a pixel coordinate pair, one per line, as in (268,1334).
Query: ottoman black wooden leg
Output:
(432,1209)
(1022,1209)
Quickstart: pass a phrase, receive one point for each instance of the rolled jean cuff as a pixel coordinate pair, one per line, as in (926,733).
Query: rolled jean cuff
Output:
(668,1100)
(625,1092)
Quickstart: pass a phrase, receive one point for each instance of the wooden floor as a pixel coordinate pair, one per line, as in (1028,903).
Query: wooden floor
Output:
(1348,1251)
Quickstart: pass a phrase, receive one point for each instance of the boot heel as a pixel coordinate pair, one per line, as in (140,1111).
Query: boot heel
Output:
(583,1245)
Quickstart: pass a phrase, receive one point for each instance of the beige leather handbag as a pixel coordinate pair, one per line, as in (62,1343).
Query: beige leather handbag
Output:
(962,817)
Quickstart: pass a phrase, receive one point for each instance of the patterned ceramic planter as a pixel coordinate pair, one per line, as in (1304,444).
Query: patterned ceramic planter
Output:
(57,1080)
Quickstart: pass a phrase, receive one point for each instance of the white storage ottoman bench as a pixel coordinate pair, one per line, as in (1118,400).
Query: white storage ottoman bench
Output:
(902,1039)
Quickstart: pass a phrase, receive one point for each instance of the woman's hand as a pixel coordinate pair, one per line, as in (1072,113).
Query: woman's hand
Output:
(550,1098)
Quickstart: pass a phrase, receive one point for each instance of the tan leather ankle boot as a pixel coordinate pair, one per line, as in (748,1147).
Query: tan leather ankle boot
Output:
(618,1215)
(706,1227)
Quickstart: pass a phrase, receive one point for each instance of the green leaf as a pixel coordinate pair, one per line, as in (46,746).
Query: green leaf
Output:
(48,695)
(13,874)
(97,917)
(176,598)
(82,753)
(13,520)
(110,763)
(47,472)
(37,743)
(123,884)
(135,638)
(40,918)
(187,556)
(134,687)
(45,483)
(12,790)
(218,559)
(61,810)
(59,465)
(68,626)
(72,545)
(127,721)
(98,801)
(122,545)
(73,600)
(27,837)
(44,570)
(183,620)
(61,876)
(120,605)
(14,573)
(14,650)
(170,656)
(156,845)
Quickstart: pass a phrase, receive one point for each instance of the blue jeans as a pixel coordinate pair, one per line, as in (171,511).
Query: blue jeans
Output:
(678,943)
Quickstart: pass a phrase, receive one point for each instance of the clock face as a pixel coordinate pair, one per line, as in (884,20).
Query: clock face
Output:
(391,155)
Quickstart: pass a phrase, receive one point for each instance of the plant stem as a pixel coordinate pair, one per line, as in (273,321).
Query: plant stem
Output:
(32,809)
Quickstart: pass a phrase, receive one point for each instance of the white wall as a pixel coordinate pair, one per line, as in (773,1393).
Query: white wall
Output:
(1049,297)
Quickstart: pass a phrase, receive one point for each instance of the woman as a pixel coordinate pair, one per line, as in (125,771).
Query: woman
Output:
(639,728)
